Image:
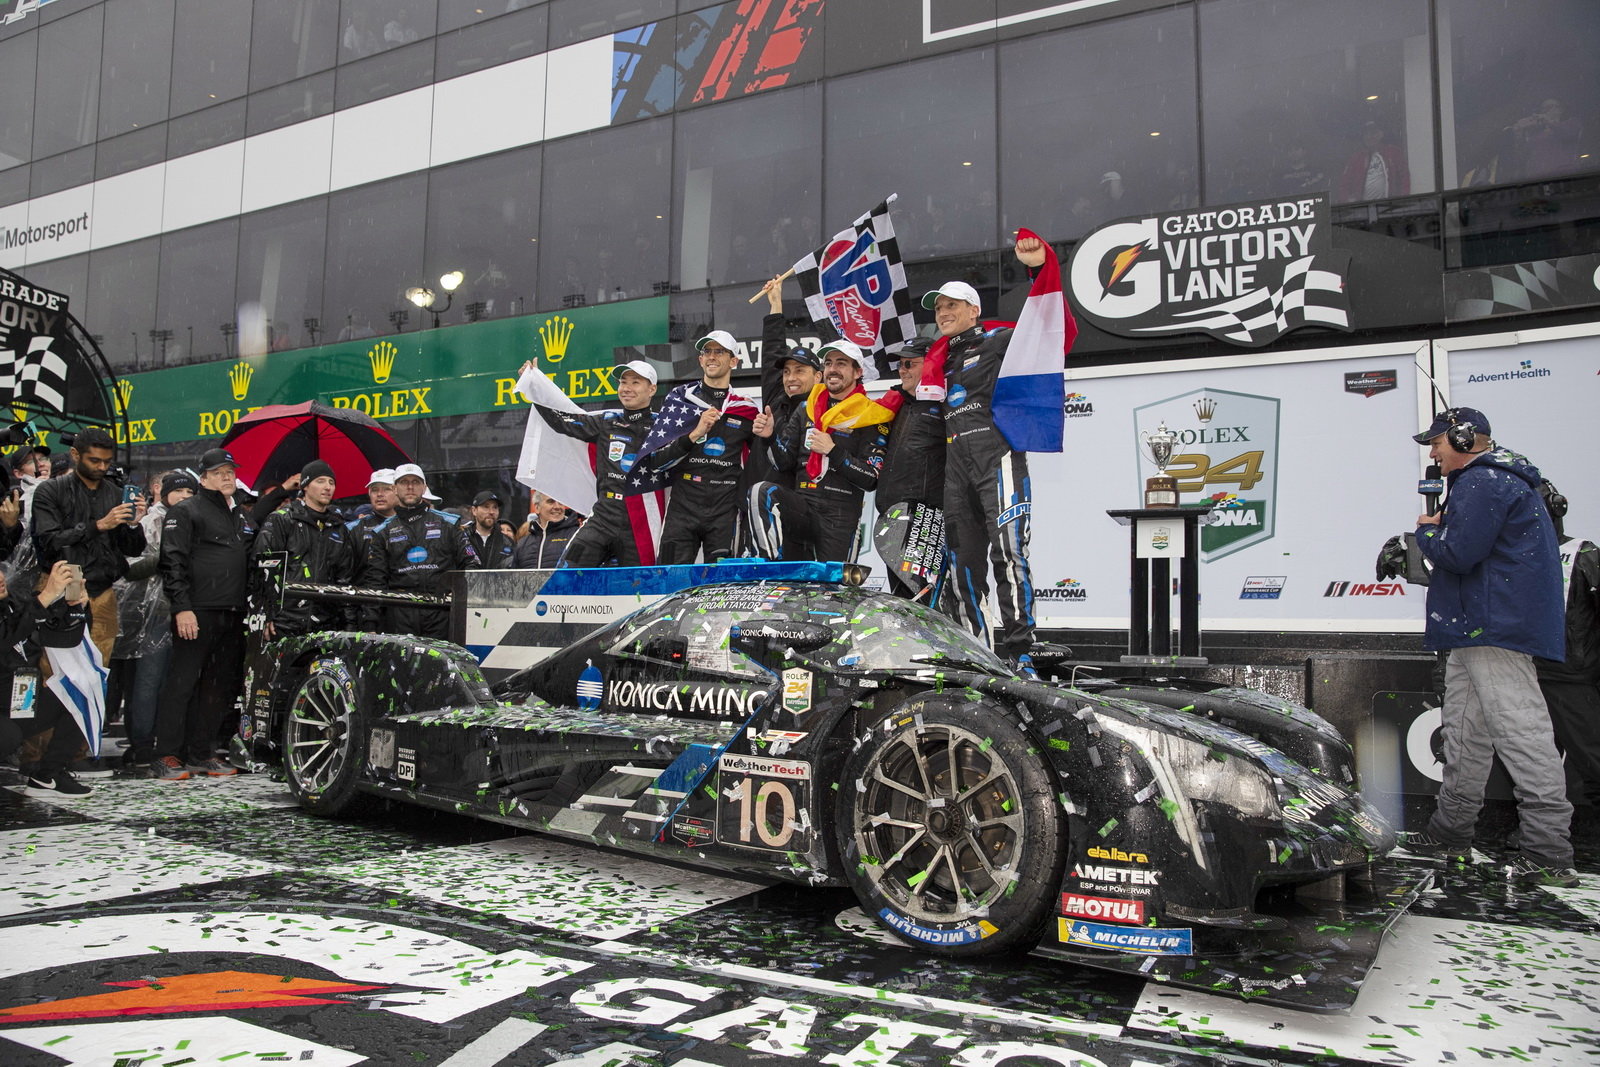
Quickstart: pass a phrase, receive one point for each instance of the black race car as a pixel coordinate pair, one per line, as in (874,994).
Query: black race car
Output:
(814,731)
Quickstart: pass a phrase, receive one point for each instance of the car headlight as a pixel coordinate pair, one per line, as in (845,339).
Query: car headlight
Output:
(1200,772)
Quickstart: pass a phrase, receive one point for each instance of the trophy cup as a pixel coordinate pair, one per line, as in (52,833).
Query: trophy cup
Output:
(1161,489)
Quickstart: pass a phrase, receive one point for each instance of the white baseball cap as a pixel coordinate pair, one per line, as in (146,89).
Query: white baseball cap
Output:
(642,369)
(722,337)
(411,469)
(849,348)
(381,476)
(954,290)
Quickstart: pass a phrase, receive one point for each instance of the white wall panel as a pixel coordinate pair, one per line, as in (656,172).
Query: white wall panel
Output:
(287,164)
(128,206)
(14,217)
(203,187)
(60,211)
(578,93)
(382,139)
(464,127)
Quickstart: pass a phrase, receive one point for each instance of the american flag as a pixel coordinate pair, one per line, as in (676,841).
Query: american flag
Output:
(682,409)
(856,283)
(36,375)
(1306,296)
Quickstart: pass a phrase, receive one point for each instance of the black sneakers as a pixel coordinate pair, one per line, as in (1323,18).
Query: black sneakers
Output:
(92,767)
(61,783)
(1525,871)
(1423,844)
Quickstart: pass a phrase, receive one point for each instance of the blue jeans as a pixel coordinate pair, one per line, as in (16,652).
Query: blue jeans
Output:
(148,674)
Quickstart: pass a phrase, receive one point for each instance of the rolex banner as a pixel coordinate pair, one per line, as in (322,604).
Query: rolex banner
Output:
(1246,273)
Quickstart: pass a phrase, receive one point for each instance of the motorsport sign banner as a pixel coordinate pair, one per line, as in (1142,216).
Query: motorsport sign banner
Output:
(1246,273)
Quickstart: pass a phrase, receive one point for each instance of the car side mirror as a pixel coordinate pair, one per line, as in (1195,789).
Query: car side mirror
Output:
(755,637)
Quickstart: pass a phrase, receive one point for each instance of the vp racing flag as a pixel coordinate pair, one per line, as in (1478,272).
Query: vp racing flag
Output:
(856,282)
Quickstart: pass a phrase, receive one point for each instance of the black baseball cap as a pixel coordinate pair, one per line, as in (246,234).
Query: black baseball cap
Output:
(214,458)
(486,495)
(1454,417)
(800,355)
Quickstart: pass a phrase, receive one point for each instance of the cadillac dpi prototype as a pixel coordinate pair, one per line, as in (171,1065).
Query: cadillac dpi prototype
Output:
(791,726)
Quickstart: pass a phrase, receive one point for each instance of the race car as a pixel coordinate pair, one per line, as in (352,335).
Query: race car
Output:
(786,724)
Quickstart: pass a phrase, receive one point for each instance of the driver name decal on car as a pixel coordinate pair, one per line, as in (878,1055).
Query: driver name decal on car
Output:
(688,698)
(764,803)
(405,768)
(1146,941)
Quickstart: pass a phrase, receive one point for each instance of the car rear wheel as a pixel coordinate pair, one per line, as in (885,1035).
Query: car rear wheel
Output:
(950,829)
(325,739)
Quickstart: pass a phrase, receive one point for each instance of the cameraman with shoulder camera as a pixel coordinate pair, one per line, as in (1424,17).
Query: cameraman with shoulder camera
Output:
(1494,603)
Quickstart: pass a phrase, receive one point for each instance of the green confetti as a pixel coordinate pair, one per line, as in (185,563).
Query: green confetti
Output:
(917,879)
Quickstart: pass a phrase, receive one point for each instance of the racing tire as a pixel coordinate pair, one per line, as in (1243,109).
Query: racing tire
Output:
(325,732)
(950,829)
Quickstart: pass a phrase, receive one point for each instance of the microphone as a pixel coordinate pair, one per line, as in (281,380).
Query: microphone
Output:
(1431,487)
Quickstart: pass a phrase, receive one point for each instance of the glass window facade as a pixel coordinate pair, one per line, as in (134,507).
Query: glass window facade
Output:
(121,305)
(290,39)
(18,69)
(483,221)
(66,105)
(210,53)
(137,65)
(281,255)
(372,26)
(375,236)
(195,298)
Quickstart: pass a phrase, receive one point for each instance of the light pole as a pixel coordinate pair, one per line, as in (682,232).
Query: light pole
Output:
(426,298)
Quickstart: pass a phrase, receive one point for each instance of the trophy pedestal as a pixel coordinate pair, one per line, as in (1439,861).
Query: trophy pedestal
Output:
(1157,536)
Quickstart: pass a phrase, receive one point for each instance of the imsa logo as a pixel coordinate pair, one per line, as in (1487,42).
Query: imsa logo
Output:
(1364,589)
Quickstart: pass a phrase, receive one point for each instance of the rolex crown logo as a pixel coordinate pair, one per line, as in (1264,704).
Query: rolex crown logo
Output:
(555,333)
(381,356)
(1205,407)
(124,395)
(239,376)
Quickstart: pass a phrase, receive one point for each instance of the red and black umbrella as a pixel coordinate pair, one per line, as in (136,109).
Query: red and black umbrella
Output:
(272,443)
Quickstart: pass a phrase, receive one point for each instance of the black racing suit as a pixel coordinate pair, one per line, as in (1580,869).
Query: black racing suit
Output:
(616,437)
(1572,687)
(320,550)
(816,519)
(704,508)
(205,548)
(413,551)
(988,499)
(761,466)
(913,473)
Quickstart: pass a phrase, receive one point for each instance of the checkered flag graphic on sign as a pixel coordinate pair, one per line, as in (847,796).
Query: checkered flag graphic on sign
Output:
(36,375)
(1306,296)
(873,238)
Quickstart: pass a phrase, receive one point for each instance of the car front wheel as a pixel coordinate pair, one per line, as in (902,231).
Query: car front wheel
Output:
(950,829)
(325,739)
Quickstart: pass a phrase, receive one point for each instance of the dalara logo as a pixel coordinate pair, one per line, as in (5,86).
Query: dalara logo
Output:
(1118,855)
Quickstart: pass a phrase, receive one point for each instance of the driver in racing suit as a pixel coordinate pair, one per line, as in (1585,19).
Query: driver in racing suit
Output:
(988,498)
(616,437)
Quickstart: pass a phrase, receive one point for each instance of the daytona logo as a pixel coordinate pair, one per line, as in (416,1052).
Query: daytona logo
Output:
(1116,911)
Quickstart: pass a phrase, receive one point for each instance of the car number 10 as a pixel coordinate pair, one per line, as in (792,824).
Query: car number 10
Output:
(762,813)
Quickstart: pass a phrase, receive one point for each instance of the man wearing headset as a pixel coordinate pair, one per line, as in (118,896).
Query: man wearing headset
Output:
(1494,603)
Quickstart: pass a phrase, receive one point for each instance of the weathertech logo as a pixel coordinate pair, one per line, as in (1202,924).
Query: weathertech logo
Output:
(1364,589)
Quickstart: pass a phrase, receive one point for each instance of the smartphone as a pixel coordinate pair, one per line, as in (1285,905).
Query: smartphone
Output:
(75,589)
(132,494)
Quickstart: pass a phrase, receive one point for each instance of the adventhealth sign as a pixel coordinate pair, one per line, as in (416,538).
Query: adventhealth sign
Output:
(456,371)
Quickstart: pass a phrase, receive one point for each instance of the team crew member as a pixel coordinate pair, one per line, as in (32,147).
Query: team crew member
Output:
(380,506)
(617,438)
(550,527)
(319,550)
(1494,603)
(1571,687)
(834,442)
(704,509)
(913,474)
(205,545)
(787,377)
(412,551)
(489,538)
(988,497)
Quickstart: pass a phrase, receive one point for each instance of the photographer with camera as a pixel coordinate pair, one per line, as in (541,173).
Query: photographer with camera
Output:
(1494,603)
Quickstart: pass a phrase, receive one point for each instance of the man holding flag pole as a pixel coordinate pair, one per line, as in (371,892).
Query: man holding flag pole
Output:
(1003,395)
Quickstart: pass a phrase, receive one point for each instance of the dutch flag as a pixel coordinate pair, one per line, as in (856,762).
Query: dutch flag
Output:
(1030,391)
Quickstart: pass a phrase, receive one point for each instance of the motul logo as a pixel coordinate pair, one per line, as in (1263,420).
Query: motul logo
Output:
(1115,911)
(1364,589)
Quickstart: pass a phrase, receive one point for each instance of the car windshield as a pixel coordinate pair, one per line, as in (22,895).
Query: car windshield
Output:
(883,632)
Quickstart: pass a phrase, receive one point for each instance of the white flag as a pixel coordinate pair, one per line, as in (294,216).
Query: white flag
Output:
(553,463)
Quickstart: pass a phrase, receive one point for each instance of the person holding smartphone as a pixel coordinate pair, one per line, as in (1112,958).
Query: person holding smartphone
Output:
(80,517)
(54,618)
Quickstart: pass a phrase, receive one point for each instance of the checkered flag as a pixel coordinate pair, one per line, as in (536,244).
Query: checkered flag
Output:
(37,376)
(1304,297)
(856,283)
